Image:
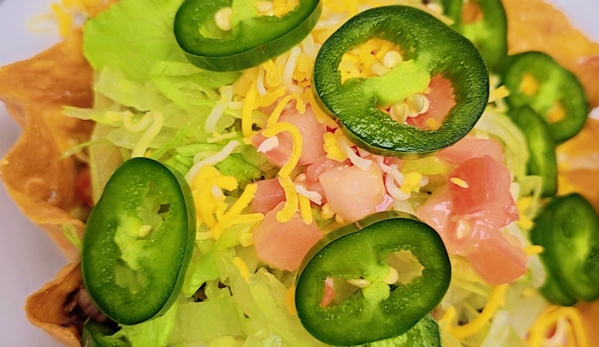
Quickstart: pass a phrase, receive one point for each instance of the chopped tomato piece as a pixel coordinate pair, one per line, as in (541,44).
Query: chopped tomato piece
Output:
(483,184)
(472,147)
(353,193)
(497,261)
(312,133)
(469,213)
(83,186)
(440,100)
(284,245)
(320,165)
(269,194)
(329,293)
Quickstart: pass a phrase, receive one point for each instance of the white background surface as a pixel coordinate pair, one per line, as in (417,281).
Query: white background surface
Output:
(28,258)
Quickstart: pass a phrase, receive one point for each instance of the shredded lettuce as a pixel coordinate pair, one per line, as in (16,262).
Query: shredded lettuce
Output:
(152,333)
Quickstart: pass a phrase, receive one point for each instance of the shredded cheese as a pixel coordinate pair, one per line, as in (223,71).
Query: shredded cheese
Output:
(212,160)
(226,96)
(243,268)
(274,116)
(533,250)
(548,320)
(305,209)
(290,301)
(248,107)
(362,163)
(228,217)
(459,182)
(479,322)
(332,148)
(296,136)
(146,139)
(291,200)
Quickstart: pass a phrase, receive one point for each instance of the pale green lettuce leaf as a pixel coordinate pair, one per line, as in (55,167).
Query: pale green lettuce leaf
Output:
(132,36)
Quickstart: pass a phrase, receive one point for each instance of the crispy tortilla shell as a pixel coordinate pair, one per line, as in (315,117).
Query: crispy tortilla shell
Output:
(46,308)
(42,184)
(34,91)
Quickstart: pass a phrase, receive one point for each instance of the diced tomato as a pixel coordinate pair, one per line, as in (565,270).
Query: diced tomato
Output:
(284,245)
(471,147)
(320,165)
(328,294)
(83,186)
(440,100)
(483,184)
(269,194)
(353,193)
(469,213)
(497,261)
(312,138)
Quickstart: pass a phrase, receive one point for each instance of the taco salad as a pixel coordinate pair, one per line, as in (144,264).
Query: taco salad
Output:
(312,173)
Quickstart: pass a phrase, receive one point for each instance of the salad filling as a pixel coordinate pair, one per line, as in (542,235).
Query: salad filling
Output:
(272,178)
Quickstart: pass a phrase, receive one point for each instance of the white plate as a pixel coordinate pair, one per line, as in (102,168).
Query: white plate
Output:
(28,256)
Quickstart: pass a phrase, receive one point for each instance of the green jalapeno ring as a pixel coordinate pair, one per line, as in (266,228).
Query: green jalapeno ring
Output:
(424,334)
(555,84)
(138,242)
(360,250)
(568,230)
(542,160)
(434,48)
(252,42)
(95,334)
(489,34)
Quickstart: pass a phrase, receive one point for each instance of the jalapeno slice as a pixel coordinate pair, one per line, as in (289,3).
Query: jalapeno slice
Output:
(483,22)
(424,334)
(537,80)
(138,242)
(568,230)
(95,334)
(252,39)
(540,143)
(429,48)
(384,307)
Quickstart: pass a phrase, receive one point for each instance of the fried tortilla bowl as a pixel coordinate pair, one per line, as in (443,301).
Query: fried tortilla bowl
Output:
(42,182)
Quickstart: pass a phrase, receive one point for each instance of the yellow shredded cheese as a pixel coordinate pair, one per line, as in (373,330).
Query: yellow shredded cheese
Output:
(243,268)
(332,148)
(65,20)
(290,301)
(549,318)
(291,200)
(459,182)
(244,200)
(305,209)
(274,116)
(296,136)
(471,328)
(321,116)
(498,94)
(533,250)
(248,107)
(326,212)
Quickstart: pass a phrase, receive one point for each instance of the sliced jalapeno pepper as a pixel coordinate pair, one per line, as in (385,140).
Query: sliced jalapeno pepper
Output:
(536,80)
(568,230)
(429,48)
(424,334)
(95,334)
(138,241)
(542,160)
(253,38)
(384,307)
(483,22)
